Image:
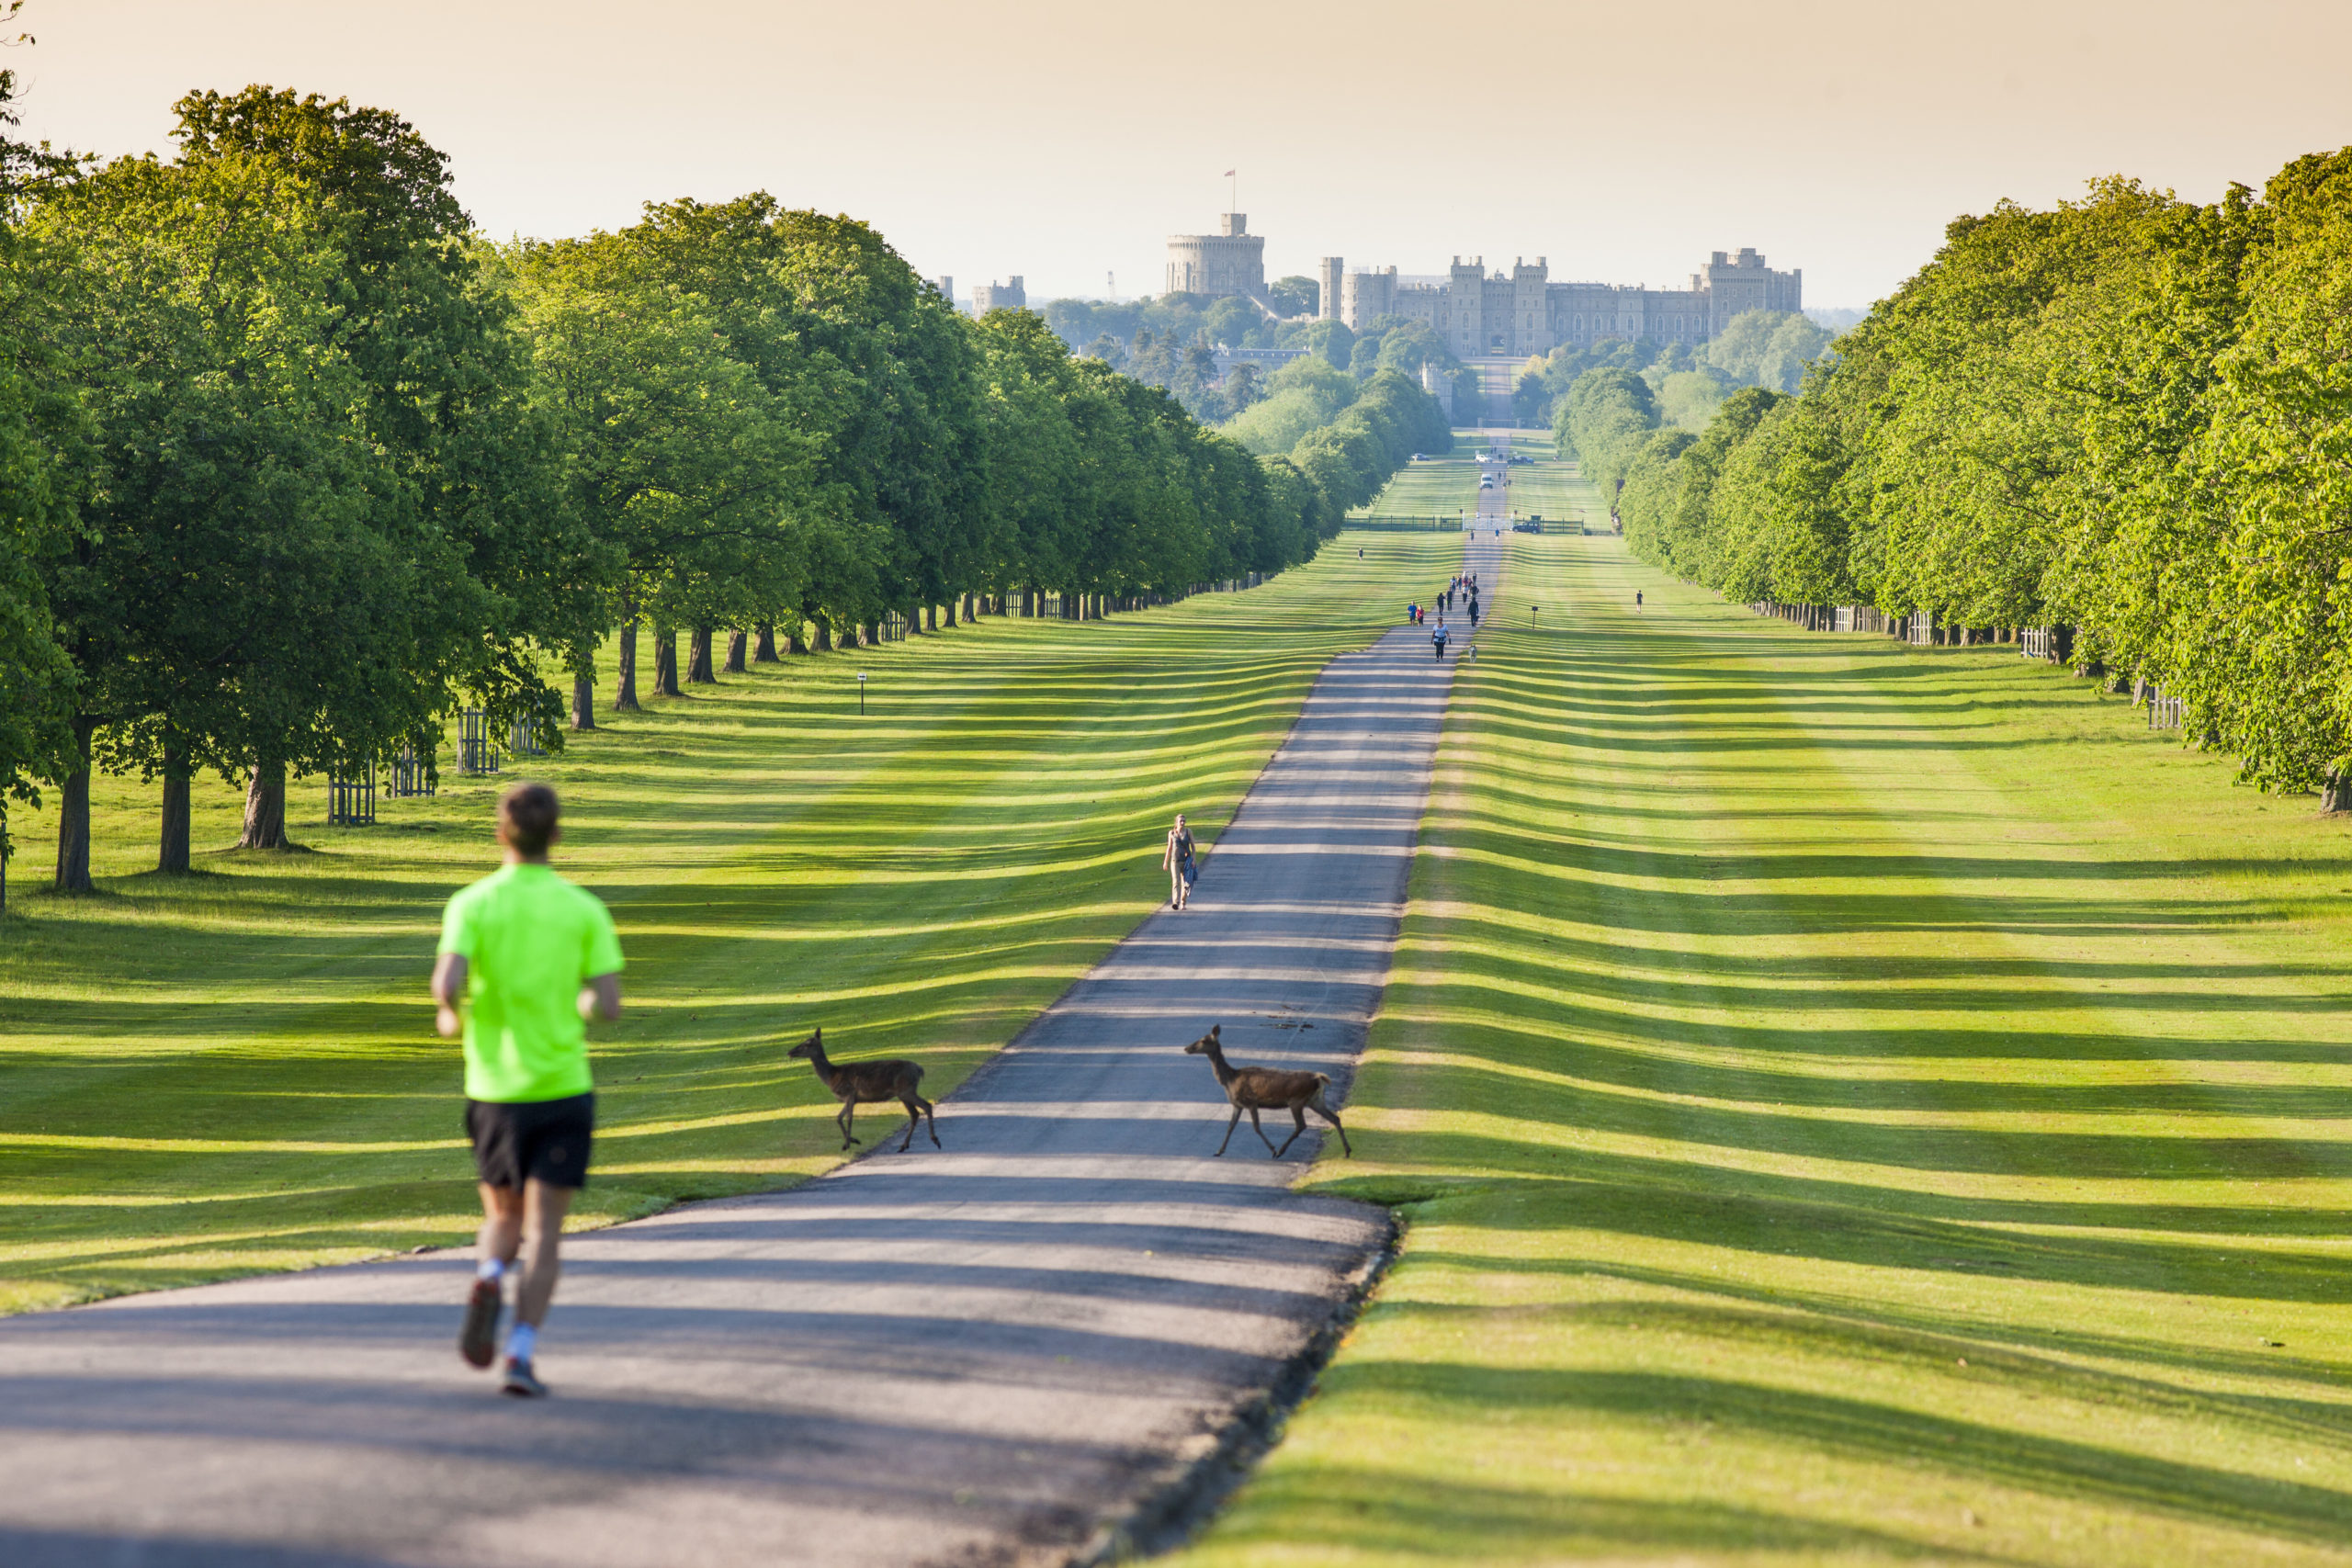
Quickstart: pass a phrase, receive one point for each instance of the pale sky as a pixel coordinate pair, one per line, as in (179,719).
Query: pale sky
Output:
(1065,141)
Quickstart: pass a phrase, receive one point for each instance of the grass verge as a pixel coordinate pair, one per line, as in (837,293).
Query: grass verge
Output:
(235,1070)
(1434,487)
(1852,1104)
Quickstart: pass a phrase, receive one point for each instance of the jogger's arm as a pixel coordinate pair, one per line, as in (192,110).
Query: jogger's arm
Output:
(601,997)
(448,985)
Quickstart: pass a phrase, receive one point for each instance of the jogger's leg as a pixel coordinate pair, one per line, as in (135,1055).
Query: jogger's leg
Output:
(502,1225)
(543,1211)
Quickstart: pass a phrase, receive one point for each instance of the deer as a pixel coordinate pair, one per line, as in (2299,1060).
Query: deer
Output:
(870,1083)
(1267,1088)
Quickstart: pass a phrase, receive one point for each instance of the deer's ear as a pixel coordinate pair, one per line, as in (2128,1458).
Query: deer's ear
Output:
(1217,1031)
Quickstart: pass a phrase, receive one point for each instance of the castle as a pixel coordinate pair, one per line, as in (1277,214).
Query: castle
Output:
(1007,296)
(1524,312)
(1517,314)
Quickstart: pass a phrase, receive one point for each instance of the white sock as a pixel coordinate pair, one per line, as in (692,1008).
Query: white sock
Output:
(490,1268)
(522,1342)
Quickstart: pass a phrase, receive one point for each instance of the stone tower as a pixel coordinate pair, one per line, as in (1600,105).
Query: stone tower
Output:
(1332,278)
(1232,261)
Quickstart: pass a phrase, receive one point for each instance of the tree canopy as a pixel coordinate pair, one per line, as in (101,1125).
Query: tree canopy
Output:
(2126,416)
(294,464)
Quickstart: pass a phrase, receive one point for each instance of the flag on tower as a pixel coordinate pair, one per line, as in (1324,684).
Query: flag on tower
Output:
(1230,173)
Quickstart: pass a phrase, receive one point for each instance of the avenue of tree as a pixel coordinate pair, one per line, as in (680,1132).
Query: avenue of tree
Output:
(294,463)
(2128,419)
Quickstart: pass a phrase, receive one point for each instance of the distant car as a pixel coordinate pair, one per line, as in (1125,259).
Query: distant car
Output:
(1533,525)
(1486,484)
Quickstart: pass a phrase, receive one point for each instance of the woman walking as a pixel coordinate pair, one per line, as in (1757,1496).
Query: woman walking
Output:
(1178,859)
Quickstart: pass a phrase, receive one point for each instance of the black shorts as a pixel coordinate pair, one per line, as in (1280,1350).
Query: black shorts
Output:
(538,1139)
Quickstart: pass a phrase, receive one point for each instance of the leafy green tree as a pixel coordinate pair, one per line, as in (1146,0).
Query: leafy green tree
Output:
(37,425)
(688,412)
(1299,397)
(1606,420)
(1231,321)
(1334,340)
(1296,296)
(491,562)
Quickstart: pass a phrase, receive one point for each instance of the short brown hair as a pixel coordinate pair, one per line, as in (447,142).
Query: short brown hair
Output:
(527,815)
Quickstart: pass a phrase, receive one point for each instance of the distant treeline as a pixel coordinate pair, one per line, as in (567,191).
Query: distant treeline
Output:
(2130,416)
(1171,342)
(1755,348)
(293,463)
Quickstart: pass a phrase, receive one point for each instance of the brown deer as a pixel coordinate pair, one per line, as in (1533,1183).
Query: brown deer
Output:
(871,1083)
(1267,1088)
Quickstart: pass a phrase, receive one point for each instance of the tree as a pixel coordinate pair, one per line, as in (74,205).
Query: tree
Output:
(1606,419)
(427,466)
(1231,321)
(1296,296)
(688,416)
(37,521)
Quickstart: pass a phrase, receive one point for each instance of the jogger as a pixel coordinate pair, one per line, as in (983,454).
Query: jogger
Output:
(533,956)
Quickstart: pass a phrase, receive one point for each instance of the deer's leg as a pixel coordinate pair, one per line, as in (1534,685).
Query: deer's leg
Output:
(1298,1118)
(932,1114)
(914,1120)
(1230,1126)
(1258,1128)
(1327,1115)
(848,1115)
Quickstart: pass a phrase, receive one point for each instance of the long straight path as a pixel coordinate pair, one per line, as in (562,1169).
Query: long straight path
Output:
(975,1356)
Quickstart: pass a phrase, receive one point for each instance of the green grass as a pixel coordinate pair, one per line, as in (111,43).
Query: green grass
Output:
(1852,1104)
(1437,487)
(1552,489)
(235,1070)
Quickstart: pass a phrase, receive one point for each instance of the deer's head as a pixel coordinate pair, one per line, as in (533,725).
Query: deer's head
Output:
(810,1046)
(1207,1043)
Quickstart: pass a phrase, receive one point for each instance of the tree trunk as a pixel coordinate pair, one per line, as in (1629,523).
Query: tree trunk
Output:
(2335,795)
(797,639)
(824,635)
(625,698)
(949,620)
(764,652)
(172,849)
(73,817)
(873,634)
(583,701)
(914,620)
(698,664)
(265,808)
(665,662)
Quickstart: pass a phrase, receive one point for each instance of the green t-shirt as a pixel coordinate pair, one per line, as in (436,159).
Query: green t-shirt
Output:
(529,940)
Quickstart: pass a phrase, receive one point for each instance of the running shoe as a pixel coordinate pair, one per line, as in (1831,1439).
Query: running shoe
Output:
(521,1381)
(478,1340)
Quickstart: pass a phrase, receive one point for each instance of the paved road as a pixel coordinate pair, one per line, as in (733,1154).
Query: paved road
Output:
(971,1357)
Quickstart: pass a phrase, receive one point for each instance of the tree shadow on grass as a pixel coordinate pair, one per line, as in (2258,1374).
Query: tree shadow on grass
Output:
(1854,1428)
(1384,1516)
